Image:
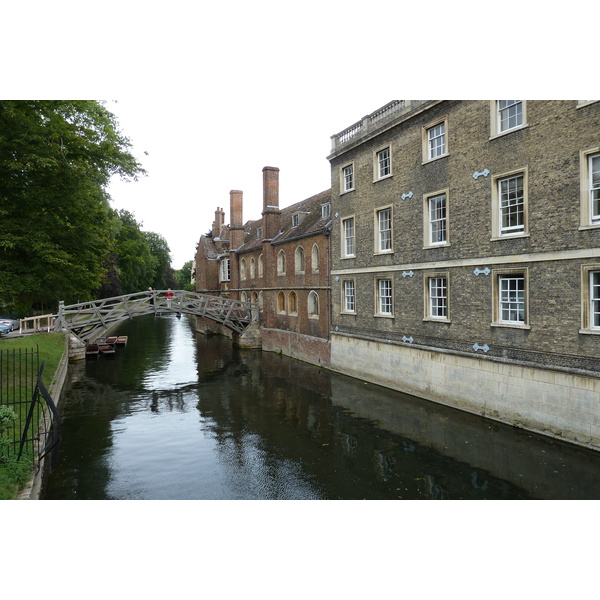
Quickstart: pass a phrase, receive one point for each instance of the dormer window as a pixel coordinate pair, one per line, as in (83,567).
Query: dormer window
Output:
(259,233)
(298,217)
(325,210)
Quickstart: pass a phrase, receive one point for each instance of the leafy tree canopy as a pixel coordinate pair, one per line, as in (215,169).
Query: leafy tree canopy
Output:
(56,225)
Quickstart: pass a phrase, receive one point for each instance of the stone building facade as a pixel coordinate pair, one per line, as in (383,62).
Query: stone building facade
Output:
(281,263)
(466,257)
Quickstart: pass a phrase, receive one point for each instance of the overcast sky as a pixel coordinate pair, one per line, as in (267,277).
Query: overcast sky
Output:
(213,93)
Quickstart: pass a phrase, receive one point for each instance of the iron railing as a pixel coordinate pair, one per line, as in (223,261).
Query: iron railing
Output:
(36,429)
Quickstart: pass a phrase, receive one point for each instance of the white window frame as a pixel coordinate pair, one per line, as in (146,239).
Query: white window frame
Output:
(429,234)
(384,233)
(225,270)
(384,292)
(437,297)
(499,197)
(315,258)
(281,262)
(434,151)
(313,305)
(587,217)
(300,260)
(295,219)
(345,246)
(590,299)
(349,296)
(326,210)
(504,300)
(496,113)
(382,163)
(347,178)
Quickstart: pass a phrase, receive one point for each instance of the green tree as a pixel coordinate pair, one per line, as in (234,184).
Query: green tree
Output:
(56,160)
(184,276)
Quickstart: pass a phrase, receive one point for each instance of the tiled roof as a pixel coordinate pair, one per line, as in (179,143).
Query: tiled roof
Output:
(311,222)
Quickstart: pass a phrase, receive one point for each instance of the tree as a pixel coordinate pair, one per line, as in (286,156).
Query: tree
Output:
(184,276)
(56,160)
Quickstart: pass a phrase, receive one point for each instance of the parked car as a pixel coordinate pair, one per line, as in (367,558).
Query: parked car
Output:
(12,323)
(4,329)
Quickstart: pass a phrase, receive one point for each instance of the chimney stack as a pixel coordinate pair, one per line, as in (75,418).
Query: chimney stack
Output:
(271,213)
(218,223)
(236,225)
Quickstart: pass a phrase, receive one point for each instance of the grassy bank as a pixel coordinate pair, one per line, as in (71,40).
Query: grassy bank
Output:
(13,475)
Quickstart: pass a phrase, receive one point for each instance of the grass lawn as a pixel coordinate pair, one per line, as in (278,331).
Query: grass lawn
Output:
(13,475)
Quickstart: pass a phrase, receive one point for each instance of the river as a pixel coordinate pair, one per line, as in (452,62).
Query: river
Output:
(177,415)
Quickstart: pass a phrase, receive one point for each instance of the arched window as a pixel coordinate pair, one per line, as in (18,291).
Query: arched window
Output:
(281,302)
(313,304)
(315,258)
(260,266)
(299,259)
(260,301)
(293,304)
(243,269)
(252,269)
(244,297)
(281,263)
(254,300)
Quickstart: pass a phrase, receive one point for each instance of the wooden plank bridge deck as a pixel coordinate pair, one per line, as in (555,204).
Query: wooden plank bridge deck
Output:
(87,319)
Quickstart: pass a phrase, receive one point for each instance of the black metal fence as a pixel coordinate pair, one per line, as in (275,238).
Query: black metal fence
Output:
(33,426)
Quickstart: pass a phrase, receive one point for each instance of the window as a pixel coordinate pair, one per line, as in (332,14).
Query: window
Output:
(349,300)
(510,192)
(507,115)
(326,210)
(281,302)
(590,299)
(510,114)
(252,268)
(281,263)
(259,233)
(436,293)
(509,197)
(347,182)
(260,266)
(293,304)
(510,298)
(244,297)
(295,220)
(595,300)
(299,255)
(383,163)
(243,269)
(436,219)
(384,297)
(313,304)
(434,141)
(315,258)
(384,230)
(225,272)
(348,237)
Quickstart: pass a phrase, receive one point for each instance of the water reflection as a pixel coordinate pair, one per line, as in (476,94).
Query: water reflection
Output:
(179,416)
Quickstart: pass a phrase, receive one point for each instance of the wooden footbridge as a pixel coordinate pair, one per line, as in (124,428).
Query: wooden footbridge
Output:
(87,320)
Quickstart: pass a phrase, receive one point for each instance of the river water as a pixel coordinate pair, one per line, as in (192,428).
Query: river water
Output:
(176,415)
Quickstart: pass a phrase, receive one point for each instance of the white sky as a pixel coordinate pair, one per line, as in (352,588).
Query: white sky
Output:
(215,93)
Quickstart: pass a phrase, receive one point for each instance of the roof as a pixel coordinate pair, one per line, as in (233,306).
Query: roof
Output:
(312,222)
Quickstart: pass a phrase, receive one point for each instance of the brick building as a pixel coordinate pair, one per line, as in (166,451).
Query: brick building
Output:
(280,262)
(466,257)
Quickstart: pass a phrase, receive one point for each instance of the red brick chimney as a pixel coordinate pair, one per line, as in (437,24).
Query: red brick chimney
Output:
(271,213)
(218,222)
(236,225)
